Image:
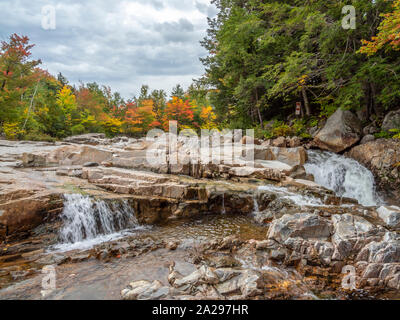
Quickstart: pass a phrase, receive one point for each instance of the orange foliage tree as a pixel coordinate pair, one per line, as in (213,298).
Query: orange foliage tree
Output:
(181,111)
(389,33)
(140,118)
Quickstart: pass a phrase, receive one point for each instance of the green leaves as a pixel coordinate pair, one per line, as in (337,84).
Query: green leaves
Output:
(266,55)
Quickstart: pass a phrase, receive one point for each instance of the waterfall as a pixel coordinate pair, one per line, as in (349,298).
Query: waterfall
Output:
(345,176)
(87,221)
(223,204)
(256,207)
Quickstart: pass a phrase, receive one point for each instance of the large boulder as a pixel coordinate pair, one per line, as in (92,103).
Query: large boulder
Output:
(23,210)
(145,290)
(351,233)
(291,156)
(302,225)
(342,130)
(391,121)
(67,156)
(390,215)
(382,157)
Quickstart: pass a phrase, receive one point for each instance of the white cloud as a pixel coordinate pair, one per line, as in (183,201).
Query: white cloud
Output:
(121,43)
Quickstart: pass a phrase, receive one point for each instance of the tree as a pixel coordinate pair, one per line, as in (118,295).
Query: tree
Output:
(264,56)
(140,119)
(159,98)
(17,75)
(63,80)
(67,102)
(178,92)
(178,110)
(389,33)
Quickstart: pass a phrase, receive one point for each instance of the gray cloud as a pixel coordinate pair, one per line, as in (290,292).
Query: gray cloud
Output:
(124,44)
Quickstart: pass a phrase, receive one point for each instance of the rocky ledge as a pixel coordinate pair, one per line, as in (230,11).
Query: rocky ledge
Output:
(311,235)
(382,157)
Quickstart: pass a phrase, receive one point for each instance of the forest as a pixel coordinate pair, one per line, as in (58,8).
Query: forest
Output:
(263,58)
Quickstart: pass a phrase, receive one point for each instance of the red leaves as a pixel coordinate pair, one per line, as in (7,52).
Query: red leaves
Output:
(178,110)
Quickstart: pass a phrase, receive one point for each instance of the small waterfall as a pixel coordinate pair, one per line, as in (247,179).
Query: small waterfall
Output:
(223,204)
(92,221)
(256,207)
(345,176)
(298,199)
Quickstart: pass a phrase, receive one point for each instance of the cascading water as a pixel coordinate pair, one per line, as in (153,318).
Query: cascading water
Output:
(88,221)
(345,176)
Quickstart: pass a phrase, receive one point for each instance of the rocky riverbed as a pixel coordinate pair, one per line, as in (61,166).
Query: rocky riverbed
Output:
(118,226)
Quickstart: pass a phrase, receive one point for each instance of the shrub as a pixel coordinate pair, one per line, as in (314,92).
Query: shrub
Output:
(78,129)
(12,131)
(396,133)
(383,134)
(37,136)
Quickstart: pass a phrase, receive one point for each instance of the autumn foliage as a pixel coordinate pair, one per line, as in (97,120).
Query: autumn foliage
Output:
(389,33)
(38,106)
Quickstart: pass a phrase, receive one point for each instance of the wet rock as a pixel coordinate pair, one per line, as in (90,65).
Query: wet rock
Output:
(172,245)
(278,254)
(80,257)
(299,172)
(249,284)
(313,131)
(381,252)
(23,215)
(91,139)
(203,275)
(390,215)
(291,156)
(279,142)
(351,233)
(342,130)
(145,290)
(53,259)
(367,138)
(391,121)
(382,157)
(293,142)
(75,171)
(33,160)
(67,156)
(303,225)
(90,164)
(251,172)
(371,129)
(224,261)
(373,270)
(260,152)
(230,242)
(251,140)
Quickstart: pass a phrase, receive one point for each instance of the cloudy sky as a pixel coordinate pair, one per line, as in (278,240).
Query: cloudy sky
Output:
(123,44)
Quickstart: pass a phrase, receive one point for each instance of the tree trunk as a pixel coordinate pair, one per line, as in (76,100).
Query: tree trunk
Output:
(367,100)
(373,103)
(258,111)
(306,102)
(4,81)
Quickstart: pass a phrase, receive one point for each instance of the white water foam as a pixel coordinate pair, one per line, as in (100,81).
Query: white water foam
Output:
(345,176)
(298,199)
(88,222)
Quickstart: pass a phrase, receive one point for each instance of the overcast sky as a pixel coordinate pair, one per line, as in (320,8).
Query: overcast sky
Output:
(123,44)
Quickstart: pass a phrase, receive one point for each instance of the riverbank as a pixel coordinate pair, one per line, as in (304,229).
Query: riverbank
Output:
(221,231)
